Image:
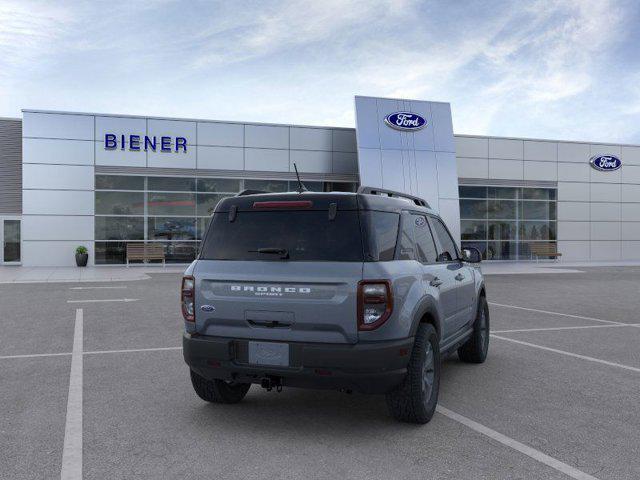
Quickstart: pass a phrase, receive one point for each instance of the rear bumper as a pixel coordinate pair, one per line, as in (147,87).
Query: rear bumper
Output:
(375,367)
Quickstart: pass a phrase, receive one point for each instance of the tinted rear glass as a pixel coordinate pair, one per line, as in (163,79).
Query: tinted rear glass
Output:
(305,235)
(380,233)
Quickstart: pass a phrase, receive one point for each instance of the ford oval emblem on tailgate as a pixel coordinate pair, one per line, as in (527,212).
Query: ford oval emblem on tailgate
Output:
(207,308)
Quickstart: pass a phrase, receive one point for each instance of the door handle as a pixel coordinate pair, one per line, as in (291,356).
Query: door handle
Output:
(436,282)
(459,277)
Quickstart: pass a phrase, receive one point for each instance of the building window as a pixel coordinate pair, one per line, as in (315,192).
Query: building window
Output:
(503,222)
(171,211)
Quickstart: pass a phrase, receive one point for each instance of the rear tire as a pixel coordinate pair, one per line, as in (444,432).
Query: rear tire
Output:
(218,391)
(414,401)
(477,347)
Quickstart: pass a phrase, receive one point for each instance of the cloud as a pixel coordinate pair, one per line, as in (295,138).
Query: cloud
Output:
(521,68)
(27,30)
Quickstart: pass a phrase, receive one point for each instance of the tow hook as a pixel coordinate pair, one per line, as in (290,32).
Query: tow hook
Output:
(269,383)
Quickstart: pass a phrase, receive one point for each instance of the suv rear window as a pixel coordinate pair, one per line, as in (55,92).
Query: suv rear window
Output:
(304,235)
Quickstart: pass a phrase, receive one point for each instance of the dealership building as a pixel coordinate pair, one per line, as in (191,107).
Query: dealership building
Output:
(106,181)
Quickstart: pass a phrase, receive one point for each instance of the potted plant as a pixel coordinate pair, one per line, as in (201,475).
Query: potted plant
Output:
(82,256)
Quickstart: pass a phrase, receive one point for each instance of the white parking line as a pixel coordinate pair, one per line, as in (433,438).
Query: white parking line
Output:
(581,327)
(159,349)
(91,352)
(575,355)
(125,300)
(556,313)
(98,288)
(515,445)
(35,355)
(72,450)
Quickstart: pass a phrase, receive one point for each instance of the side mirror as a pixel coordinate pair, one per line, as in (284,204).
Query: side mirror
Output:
(471,255)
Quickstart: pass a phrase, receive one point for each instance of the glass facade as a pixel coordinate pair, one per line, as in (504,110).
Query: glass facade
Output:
(171,211)
(503,222)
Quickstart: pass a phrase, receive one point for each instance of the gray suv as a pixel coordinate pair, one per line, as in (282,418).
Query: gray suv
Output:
(361,291)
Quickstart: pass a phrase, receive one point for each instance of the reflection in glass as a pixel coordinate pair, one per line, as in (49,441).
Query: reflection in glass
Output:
(266,185)
(207,203)
(201,227)
(11,241)
(119,228)
(472,192)
(171,204)
(473,229)
(111,252)
(473,209)
(119,182)
(171,184)
(532,210)
(537,231)
(180,252)
(119,203)
(503,192)
(167,228)
(514,216)
(226,185)
(501,250)
(502,209)
(538,194)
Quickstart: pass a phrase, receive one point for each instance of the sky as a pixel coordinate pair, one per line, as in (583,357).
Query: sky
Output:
(540,69)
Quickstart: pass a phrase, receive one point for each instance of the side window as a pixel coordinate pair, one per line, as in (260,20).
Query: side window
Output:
(406,250)
(381,231)
(447,251)
(424,241)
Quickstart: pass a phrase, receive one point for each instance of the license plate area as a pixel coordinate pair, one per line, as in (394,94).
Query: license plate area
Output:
(269,353)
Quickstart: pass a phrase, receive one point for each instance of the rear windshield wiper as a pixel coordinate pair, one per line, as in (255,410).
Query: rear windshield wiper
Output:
(283,252)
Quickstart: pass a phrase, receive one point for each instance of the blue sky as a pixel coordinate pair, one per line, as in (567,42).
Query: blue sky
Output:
(546,69)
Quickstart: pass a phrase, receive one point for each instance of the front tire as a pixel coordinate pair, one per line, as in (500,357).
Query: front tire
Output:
(218,391)
(477,347)
(414,401)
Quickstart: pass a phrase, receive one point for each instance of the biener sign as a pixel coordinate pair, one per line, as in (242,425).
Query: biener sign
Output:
(145,143)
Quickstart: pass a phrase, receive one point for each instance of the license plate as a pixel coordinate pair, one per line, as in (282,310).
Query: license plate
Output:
(268,353)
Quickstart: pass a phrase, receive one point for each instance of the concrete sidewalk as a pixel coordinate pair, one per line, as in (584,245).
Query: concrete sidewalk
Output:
(19,274)
(549,266)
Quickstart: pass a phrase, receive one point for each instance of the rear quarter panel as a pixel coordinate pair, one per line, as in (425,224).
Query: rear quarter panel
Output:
(408,294)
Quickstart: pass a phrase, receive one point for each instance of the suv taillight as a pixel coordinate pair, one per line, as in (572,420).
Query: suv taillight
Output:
(375,303)
(187,298)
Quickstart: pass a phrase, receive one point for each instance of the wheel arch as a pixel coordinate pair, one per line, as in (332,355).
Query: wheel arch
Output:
(427,312)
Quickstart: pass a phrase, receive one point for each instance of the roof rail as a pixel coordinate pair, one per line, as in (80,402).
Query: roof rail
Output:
(390,193)
(250,192)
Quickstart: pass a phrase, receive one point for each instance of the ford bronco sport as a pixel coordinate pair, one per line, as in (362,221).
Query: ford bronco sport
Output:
(358,292)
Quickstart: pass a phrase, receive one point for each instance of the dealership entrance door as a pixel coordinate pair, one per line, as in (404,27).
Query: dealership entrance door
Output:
(10,240)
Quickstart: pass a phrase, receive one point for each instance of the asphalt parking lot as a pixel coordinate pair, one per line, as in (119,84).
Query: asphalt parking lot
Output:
(95,384)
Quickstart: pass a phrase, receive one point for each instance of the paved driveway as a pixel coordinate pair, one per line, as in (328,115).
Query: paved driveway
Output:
(93,381)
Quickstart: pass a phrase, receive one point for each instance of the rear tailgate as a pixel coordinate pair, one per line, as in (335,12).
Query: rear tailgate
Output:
(281,267)
(266,300)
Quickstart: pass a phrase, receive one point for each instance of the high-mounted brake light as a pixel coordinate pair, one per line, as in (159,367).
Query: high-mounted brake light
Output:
(187,298)
(375,303)
(284,204)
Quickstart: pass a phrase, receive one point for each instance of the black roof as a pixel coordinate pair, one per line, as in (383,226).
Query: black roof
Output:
(361,200)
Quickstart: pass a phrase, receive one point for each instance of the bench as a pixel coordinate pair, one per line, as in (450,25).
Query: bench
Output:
(145,252)
(544,250)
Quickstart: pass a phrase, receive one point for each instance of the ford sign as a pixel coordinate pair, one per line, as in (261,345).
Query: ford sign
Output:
(605,163)
(405,121)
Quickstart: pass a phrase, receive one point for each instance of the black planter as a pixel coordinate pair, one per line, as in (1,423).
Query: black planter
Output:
(81,259)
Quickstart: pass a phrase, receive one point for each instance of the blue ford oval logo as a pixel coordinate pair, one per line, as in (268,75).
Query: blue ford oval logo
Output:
(207,308)
(605,163)
(405,121)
